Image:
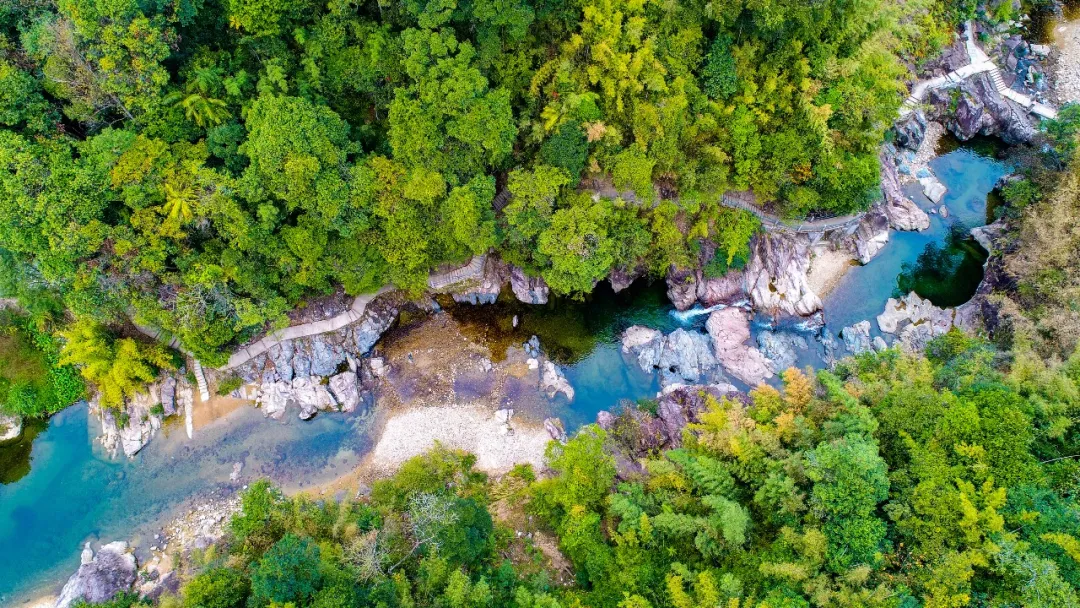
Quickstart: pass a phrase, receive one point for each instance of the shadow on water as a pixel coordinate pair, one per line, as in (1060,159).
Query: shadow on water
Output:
(946,273)
(15,456)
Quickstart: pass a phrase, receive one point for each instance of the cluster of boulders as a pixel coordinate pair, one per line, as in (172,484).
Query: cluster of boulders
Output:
(324,372)
(691,357)
(496,274)
(915,321)
(131,427)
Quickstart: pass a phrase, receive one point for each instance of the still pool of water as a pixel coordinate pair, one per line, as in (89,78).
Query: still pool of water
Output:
(74,493)
(942,263)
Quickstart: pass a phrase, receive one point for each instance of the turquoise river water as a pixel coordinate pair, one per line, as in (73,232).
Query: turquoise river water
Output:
(57,490)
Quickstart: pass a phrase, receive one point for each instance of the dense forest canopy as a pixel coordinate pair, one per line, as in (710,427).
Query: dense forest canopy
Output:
(203,166)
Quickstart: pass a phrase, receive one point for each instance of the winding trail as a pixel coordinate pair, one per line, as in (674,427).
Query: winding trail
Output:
(979,63)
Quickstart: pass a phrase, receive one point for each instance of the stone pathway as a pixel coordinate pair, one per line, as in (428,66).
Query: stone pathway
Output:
(745,201)
(474,270)
(200,380)
(354,314)
(979,63)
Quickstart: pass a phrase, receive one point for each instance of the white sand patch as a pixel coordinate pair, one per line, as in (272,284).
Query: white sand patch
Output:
(1066,69)
(826,269)
(473,429)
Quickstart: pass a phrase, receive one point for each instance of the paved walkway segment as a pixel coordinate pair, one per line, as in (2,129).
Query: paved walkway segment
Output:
(979,63)
(350,316)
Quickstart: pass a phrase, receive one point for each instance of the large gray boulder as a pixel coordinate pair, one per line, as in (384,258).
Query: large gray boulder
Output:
(857,337)
(729,329)
(680,357)
(345,390)
(870,236)
(781,348)
(553,381)
(312,396)
(776,275)
(142,423)
(101,576)
(530,290)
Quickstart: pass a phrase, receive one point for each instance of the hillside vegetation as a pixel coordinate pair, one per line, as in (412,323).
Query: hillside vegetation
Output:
(206,166)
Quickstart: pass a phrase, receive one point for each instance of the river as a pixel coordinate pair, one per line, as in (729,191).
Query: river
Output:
(68,492)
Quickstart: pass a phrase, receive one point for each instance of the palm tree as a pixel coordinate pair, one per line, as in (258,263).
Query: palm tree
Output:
(197,100)
(180,203)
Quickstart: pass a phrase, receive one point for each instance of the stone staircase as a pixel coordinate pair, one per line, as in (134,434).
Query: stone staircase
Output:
(200,380)
(474,270)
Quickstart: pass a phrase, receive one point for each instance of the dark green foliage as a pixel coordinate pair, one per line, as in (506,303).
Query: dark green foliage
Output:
(288,572)
(216,587)
(566,149)
(719,79)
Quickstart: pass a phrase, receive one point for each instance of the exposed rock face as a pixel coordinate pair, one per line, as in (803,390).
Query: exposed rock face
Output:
(910,130)
(776,275)
(682,288)
(870,236)
(620,279)
(781,348)
(141,426)
(312,396)
(109,572)
(530,290)
(680,357)
(10,427)
(168,395)
(730,330)
(902,212)
(915,320)
(857,337)
(273,398)
(987,235)
(554,427)
(486,290)
(552,381)
(685,287)
(346,391)
(980,109)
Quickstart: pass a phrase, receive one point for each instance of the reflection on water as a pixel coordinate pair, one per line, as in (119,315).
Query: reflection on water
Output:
(945,273)
(970,173)
(15,455)
(581,335)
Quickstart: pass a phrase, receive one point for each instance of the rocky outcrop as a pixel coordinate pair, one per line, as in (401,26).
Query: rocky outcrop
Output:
(729,329)
(776,275)
(781,348)
(642,433)
(485,290)
(974,107)
(915,321)
(131,427)
(687,287)
(312,396)
(101,576)
(553,381)
(870,236)
(10,427)
(680,357)
(901,211)
(987,236)
(555,429)
(530,290)
(620,278)
(857,338)
(910,130)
